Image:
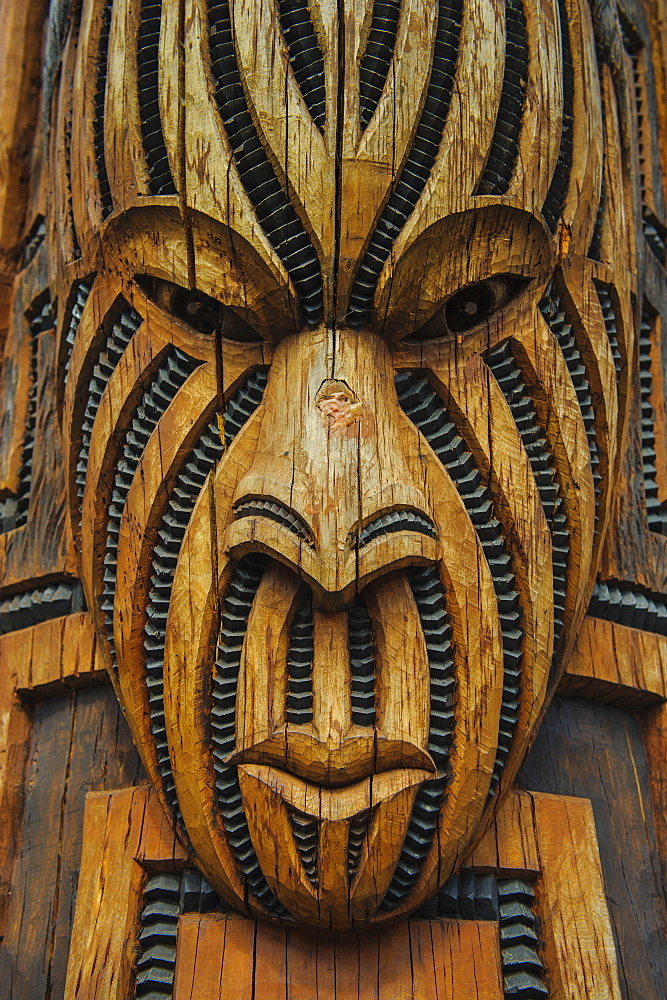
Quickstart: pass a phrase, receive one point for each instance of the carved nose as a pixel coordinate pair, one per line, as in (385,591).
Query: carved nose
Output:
(330,478)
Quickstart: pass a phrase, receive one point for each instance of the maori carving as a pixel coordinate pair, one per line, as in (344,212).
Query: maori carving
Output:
(344,338)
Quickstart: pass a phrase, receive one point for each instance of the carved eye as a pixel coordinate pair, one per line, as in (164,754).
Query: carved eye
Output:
(200,311)
(472,305)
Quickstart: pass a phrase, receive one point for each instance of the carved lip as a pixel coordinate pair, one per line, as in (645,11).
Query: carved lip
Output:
(335,765)
(335,804)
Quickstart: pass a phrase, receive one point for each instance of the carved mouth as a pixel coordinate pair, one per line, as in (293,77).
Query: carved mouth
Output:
(396,520)
(274,511)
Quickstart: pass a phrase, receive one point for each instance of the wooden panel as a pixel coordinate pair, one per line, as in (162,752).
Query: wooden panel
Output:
(616,664)
(595,751)
(80,742)
(416,960)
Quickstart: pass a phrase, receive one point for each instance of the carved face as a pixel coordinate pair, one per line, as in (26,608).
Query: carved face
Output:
(344,344)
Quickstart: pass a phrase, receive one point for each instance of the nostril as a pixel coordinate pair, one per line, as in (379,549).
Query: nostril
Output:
(274,511)
(396,520)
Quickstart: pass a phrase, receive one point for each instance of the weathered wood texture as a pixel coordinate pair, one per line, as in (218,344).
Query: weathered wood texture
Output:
(80,742)
(596,751)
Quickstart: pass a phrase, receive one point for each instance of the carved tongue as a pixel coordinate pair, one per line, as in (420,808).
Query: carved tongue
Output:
(332,885)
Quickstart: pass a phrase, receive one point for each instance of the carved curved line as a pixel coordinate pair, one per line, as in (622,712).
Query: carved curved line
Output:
(299,707)
(555,316)
(377,58)
(417,843)
(276,214)
(428,414)
(396,520)
(148,47)
(78,297)
(505,145)
(508,375)
(236,609)
(557,193)
(274,511)
(362,664)
(98,109)
(418,165)
(305,56)
(611,319)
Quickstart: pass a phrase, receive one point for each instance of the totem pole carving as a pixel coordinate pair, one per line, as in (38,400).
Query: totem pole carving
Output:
(346,310)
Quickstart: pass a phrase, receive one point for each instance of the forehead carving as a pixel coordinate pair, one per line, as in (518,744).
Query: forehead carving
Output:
(333,165)
(344,353)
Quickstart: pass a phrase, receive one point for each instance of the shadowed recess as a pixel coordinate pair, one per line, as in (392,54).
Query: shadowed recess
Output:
(418,166)
(557,193)
(505,146)
(275,213)
(376,60)
(362,664)
(299,708)
(98,108)
(148,66)
(305,56)
(428,414)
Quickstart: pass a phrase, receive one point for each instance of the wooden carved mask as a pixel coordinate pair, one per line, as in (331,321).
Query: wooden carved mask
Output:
(344,336)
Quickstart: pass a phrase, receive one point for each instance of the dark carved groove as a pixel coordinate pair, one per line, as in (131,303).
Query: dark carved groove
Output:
(362,664)
(277,217)
(656,511)
(98,108)
(233,624)
(306,835)
(182,499)
(611,320)
(418,165)
(505,146)
(243,403)
(112,350)
(14,508)
(396,520)
(522,968)
(148,45)
(507,373)
(274,511)
(34,240)
(625,604)
(466,896)
(78,297)
(417,843)
(305,56)
(376,60)
(560,182)
(431,601)
(357,834)
(51,600)
(299,709)
(165,382)
(428,414)
(555,316)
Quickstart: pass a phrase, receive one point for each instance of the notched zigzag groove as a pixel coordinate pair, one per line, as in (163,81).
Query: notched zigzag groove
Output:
(277,217)
(163,386)
(299,707)
(625,604)
(431,603)
(376,60)
(306,836)
(112,350)
(274,511)
(522,968)
(182,499)
(305,56)
(14,509)
(611,322)
(418,165)
(555,316)
(98,108)
(507,373)
(234,622)
(557,193)
(396,520)
(505,146)
(656,511)
(357,834)
(161,181)
(78,296)
(362,664)
(428,414)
